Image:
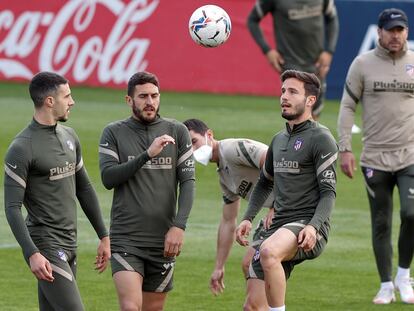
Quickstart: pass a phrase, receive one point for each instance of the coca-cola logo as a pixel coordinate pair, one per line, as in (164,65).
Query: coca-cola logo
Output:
(66,41)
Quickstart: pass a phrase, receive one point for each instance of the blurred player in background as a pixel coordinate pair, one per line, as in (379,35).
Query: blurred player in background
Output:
(305,32)
(44,171)
(239,162)
(383,80)
(145,158)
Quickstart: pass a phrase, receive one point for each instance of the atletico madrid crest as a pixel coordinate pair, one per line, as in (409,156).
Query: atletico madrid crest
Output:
(298,144)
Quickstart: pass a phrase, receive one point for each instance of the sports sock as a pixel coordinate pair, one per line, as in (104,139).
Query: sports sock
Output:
(403,273)
(282,308)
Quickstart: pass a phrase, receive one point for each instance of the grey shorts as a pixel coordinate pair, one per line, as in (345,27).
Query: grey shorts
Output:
(156,270)
(256,270)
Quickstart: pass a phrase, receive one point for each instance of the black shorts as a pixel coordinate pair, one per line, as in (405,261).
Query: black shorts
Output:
(156,270)
(256,270)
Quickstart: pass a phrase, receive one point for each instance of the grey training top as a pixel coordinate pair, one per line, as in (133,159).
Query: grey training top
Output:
(300,169)
(145,189)
(303,29)
(239,168)
(44,171)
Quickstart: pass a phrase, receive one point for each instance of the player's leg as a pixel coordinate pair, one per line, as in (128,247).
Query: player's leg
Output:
(44,305)
(158,281)
(128,274)
(257,239)
(153,301)
(280,246)
(63,292)
(255,296)
(247,259)
(405,182)
(255,290)
(379,186)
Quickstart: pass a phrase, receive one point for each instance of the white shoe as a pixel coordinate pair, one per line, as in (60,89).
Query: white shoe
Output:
(384,296)
(355,129)
(403,285)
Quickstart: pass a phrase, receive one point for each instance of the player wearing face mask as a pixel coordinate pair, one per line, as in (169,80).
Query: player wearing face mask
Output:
(238,165)
(204,153)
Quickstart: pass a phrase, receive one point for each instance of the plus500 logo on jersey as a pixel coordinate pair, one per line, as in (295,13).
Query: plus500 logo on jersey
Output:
(286,166)
(158,163)
(63,171)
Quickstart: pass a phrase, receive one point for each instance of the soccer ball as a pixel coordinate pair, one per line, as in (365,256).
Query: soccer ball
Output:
(209,26)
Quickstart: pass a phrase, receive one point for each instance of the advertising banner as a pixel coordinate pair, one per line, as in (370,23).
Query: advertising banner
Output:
(103,42)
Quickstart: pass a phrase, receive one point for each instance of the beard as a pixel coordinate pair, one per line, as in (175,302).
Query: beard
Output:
(140,114)
(63,118)
(300,110)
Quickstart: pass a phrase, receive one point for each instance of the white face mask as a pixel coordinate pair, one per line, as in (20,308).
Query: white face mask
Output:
(204,153)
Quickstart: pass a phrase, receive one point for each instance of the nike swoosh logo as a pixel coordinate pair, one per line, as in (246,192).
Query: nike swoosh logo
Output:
(104,145)
(188,145)
(395,15)
(324,156)
(12,166)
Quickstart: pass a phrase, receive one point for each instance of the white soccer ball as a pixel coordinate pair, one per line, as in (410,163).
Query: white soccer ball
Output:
(209,26)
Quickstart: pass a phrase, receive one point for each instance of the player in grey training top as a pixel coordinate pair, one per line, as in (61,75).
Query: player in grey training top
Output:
(305,31)
(238,164)
(45,172)
(383,80)
(144,158)
(300,169)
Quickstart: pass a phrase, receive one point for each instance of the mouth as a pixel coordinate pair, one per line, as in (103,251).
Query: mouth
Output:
(149,109)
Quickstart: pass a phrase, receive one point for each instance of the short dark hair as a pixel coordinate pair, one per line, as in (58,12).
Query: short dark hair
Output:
(196,126)
(311,82)
(140,78)
(45,84)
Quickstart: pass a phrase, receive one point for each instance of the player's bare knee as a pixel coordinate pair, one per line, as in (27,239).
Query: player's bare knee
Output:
(130,306)
(250,305)
(268,257)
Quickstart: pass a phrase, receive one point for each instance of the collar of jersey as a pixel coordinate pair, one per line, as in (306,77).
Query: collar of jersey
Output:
(37,125)
(140,124)
(297,128)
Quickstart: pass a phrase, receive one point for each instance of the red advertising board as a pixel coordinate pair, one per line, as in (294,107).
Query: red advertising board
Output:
(103,42)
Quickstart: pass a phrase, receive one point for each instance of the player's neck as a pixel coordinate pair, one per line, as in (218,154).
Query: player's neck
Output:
(215,155)
(299,120)
(44,118)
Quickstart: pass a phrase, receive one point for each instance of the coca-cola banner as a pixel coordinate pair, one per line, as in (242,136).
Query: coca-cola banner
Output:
(103,42)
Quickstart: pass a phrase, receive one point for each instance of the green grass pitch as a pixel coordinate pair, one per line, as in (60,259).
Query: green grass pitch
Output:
(343,278)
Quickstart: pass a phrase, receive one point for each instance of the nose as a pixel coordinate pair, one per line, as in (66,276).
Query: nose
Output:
(149,99)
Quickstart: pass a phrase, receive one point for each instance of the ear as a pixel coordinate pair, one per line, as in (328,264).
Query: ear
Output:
(128,100)
(210,133)
(49,102)
(310,100)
